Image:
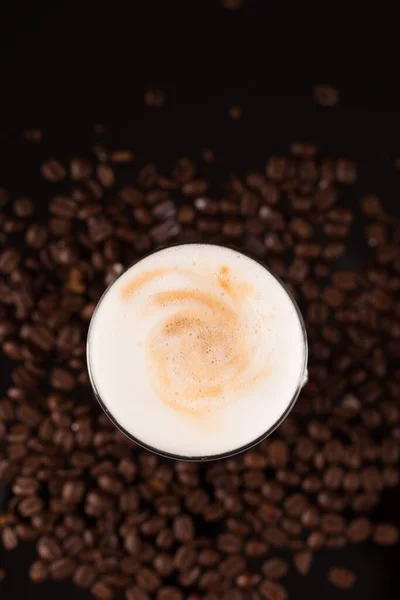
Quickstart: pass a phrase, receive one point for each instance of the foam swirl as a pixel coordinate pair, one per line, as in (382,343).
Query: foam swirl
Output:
(200,351)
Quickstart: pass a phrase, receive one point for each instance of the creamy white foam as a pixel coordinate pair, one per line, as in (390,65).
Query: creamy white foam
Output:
(196,350)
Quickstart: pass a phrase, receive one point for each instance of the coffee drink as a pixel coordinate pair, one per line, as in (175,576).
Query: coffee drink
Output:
(196,350)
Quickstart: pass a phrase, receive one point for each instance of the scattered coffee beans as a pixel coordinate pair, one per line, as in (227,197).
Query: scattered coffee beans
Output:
(108,514)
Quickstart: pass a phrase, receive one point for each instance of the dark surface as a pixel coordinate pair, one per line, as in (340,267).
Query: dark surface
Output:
(66,67)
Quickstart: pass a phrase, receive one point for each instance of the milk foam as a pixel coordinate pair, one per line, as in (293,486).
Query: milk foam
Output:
(196,350)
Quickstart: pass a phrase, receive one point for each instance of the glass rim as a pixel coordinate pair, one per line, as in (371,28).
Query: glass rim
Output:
(235,451)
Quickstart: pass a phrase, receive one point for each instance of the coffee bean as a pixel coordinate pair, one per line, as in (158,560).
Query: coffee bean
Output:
(359,529)
(38,571)
(295,504)
(53,170)
(62,568)
(183,528)
(48,549)
(169,593)
(278,454)
(255,548)
(184,558)
(164,564)
(232,4)
(102,591)
(342,577)
(63,206)
(276,537)
(155,97)
(9,260)
(371,205)
(275,568)
(385,534)
(121,156)
(147,580)
(326,95)
(30,506)
(80,169)
(315,540)
(229,543)
(164,232)
(9,538)
(196,187)
(231,567)
(272,590)
(72,545)
(62,379)
(135,593)
(302,562)
(332,524)
(105,175)
(208,557)
(23,207)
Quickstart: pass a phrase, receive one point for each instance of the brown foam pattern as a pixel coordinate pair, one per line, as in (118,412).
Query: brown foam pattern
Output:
(200,351)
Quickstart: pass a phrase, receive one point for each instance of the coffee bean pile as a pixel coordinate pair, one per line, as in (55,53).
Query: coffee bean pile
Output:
(125,523)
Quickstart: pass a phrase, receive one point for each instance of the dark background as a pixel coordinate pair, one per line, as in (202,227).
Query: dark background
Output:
(65,66)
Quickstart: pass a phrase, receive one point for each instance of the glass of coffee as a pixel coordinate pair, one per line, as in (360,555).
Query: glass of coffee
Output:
(197,351)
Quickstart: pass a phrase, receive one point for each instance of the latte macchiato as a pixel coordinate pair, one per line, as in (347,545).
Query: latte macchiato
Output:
(196,350)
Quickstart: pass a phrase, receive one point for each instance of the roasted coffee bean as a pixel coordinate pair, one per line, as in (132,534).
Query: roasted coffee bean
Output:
(196,187)
(184,558)
(102,591)
(183,528)
(9,538)
(36,236)
(164,232)
(315,540)
(155,97)
(302,562)
(26,533)
(62,568)
(385,534)
(276,537)
(121,156)
(38,572)
(80,169)
(295,505)
(63,206)
(164,564)
(278,454)
(62,379)
(53,170)
(229,543)
(272,590)
(326,95)
(208,557)
(105,175)
(72,545)
(310,518)
(255,548)
(147,580)
(9,259)
(332,524)
(30,506)
(275,568)
(342,577)
(48,549)
(232,4)
(135,593)
(23,207)
(232,566)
